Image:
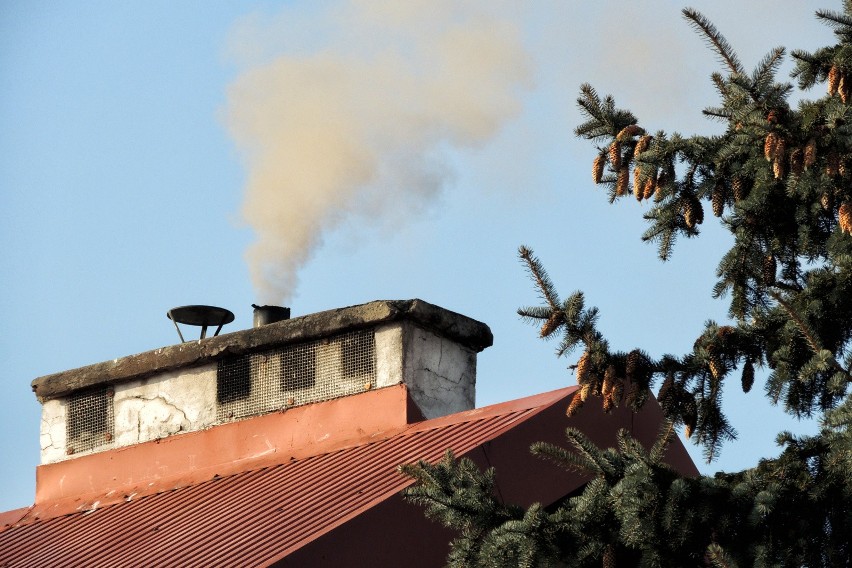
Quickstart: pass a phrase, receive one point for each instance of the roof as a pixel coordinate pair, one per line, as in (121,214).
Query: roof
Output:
(255,517)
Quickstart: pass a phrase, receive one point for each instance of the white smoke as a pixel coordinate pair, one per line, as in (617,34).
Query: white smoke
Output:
(354,116)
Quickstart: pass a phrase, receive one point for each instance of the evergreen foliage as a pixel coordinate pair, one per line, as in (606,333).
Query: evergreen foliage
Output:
(780,180)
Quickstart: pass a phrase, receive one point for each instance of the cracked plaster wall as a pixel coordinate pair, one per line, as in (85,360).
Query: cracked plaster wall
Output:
(53,435)
(166,404)
(143,410)
(440,373)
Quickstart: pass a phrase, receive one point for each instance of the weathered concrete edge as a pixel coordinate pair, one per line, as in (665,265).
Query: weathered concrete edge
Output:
(467,331)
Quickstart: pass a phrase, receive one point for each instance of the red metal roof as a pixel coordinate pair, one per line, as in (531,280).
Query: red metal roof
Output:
(256,517)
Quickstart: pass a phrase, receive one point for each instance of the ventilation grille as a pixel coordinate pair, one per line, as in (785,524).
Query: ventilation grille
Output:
(295,375)
(90,421)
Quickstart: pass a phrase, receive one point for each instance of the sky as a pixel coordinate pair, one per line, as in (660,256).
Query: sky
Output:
(324,154)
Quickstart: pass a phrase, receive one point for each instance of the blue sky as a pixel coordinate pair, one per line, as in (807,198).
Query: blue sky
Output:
(124,174)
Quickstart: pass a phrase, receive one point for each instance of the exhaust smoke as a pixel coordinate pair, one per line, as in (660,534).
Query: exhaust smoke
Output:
(354,119)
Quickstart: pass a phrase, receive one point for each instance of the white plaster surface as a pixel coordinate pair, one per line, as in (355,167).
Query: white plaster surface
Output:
(162,405)
(440,373)
(53,434)
(389,355)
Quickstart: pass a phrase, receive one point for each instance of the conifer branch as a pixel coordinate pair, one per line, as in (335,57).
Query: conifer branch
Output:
(715,39)
(804,328)
(539,275)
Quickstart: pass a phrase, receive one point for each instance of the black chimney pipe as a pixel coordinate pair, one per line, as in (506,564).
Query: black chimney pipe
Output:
(269,314)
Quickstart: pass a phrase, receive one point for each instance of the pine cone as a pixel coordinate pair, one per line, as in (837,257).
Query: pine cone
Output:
(770,145)
(574,405)
(718,198)
(622,184)
(631,367)
(833,79)
(609,557)
(608,403)
(724,332)
(582,369)
(748,375)
(693,212)
(843,88)
(552,323)
(844,217)
(778,168)
(797,161)
(770,267)
(608,381)
(598,168)
(841,167)
(740,190)
(810,153)
(629,131)
(650,186)
(716,368)
(778,158)
(832,164)
(827,202)
(617,391)
(773,116)
(638,189)
(643,144)
(585,391)
(615,155)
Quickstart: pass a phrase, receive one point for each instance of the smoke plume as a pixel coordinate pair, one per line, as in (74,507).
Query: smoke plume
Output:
(350,112)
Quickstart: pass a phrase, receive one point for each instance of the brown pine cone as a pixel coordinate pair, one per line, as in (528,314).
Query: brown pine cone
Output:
(638,188)
(665,388)
(844,217)
(827,202)
(770,145)
(615,155)
(797,161)
(740,190)
(608,381)
(718,198)
(650,187)
(693,212)
(622,184)
(832,164)
(583,368)
(643,144)
(598,168)
(810,153)
(748,375)
(629,131)
(716,368)
(833,79)
(574,405)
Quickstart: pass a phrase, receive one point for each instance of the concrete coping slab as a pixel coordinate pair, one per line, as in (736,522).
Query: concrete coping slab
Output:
(468,332)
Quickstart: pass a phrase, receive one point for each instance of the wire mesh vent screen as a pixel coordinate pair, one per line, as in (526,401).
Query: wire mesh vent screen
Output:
(90,422)
(295,375)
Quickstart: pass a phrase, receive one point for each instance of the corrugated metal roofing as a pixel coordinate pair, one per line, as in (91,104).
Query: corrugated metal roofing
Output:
(256,517)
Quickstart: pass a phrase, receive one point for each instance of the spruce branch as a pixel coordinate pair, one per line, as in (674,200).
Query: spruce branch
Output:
(541,278)
(716,40)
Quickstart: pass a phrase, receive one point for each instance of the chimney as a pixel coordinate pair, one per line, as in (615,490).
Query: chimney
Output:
(280,365)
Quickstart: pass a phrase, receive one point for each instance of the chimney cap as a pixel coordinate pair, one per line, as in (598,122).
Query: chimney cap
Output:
(200,315)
